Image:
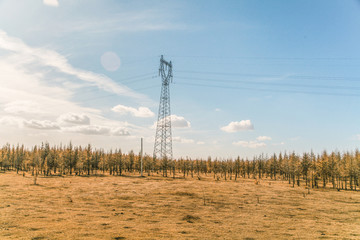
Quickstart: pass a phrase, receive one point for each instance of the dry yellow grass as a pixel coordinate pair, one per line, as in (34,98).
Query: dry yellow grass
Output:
(164,208)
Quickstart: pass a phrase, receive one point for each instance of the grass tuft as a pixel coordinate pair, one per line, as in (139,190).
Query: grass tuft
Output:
(190,218)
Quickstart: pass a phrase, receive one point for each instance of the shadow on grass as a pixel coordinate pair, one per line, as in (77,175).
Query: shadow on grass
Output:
(36,185)
(128,176)
(92,175)
(50,176)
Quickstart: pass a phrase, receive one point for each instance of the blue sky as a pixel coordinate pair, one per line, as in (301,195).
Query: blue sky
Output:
(250,76)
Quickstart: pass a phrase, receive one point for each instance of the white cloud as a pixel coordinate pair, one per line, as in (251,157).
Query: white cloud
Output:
(97,130)
(74,118)
(263,138)
(120,132)
(182,140)
(217,109)
(89,130)
(238,126)
(52,3)
(176,122)
(142,112)
(200,143)
(278,144)
(259,142)
(249,144)
(41,124)
(179,122)
(19,122)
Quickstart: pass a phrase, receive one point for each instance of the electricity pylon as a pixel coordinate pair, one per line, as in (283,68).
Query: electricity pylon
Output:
(163,138)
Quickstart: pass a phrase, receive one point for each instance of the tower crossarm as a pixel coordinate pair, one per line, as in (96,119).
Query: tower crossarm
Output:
(165,71)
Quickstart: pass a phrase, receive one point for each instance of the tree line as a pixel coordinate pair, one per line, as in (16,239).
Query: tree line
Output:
(336,170)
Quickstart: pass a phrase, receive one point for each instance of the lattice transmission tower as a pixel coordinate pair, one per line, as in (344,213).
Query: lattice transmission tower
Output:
(163,138)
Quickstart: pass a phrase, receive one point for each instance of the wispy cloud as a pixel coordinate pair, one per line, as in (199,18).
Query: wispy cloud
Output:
(182,140)
(263,138)
(42,57)
(249,144)
(130,21)
(11,121)
(19,107)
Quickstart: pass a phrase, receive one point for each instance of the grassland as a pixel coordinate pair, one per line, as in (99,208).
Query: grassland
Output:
(109,207)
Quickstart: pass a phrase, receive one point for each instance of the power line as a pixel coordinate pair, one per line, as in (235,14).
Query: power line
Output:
(116,94)
(131,62)
(126,80)
(140,79)
(268,90)
(94,87)
(266,58)
(274,76)
(272,83)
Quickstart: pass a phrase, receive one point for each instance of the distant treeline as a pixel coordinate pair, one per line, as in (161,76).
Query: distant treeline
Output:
(335,169)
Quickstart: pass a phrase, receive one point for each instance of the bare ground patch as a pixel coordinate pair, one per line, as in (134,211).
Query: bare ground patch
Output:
(107,207)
